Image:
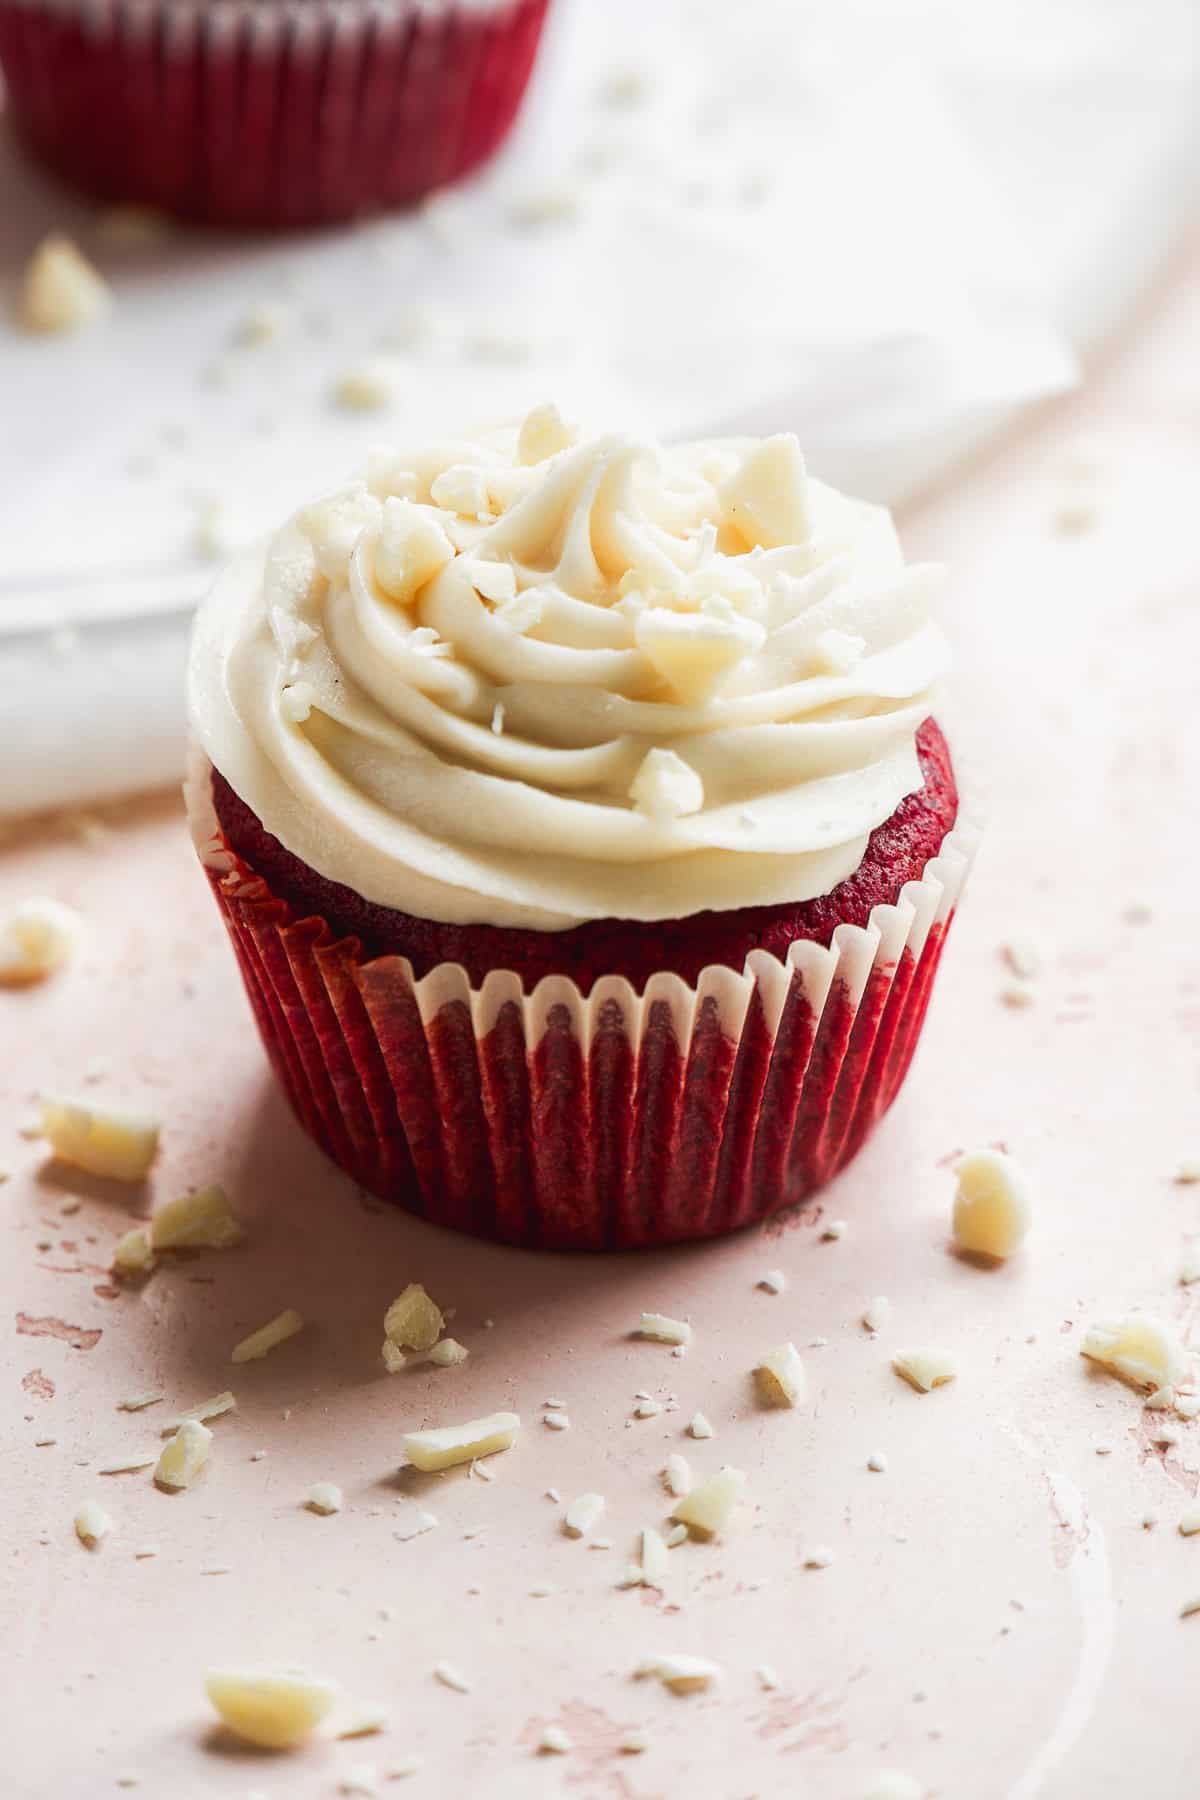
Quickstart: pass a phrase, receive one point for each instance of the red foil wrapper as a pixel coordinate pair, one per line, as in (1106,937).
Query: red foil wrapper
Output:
(265,112)
(607,1122)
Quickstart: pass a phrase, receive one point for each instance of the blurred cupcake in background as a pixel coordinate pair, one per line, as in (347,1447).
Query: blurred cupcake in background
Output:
(265,113)
(581,828)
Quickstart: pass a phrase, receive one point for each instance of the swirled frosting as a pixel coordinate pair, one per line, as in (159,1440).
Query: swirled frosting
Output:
(531,681)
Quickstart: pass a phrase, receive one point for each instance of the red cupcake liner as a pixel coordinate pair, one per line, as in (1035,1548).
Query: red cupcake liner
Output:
(265,112)
(598,1123)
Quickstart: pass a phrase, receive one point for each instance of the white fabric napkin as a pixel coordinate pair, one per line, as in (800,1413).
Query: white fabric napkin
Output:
(711,218)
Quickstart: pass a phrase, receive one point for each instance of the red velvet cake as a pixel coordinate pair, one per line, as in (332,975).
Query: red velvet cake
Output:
(265,112)
(469,734)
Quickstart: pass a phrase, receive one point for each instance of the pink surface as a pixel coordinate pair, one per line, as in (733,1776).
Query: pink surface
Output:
(1077,689)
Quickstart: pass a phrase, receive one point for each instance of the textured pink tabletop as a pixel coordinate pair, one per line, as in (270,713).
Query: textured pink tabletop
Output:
(999,1618)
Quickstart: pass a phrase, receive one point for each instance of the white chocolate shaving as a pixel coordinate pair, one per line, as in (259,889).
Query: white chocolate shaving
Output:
(664,1330)
(779,1377)
(36,939)
(1144,1351)
(992,1211)
(682,1674)
(925,1369)
(412,1320)
(275,1709)
(449,1444)
(116,1145)
(92,1523)
(583,1512)
(707,1508)
(276,1331)
(183,1456)
(324,1497)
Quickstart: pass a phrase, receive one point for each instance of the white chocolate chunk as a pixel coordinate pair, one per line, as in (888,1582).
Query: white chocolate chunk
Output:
(665,787)
(992,1211)
(834,1231)
(261,1342)
(647,1409)
(877,1313)
(1189,1522)
(556,1421)
(1142,1350)
(555,1741)
(333,527)
(92,1523)
(450,1444)
(1189,1607)
(119,1146)
(1160,1399)
(818,1557)
(678,1475)
(414,1522)
(447,1353)
(200,1221)
(655,1558)
(877,1462)
(634,1742)
(136,1402)
(925,1369)
(411,549)
(36,939)
(362,1721)
(324,1497)
(126,1465)
(389,474)
(451,1677)
(61,290)
(584,1511)
(1187,1171)
(682,1674)
(706,1509)
(893,1784)
(1187,1405)
(394,1358)
(523,611)
(493,580)
(132,1254)
(773,1282)
(296,701)
(779,1377)
(692,652)
(664,1330)
(1021,955)
(766,498)
(412,1320)
(678,1534)
(184,1456)
(461,489)
(366,386)
(544,432)
(275,1709)
(699,1427)
(360,1782)
(836,652)
(204,1410)
(261,323)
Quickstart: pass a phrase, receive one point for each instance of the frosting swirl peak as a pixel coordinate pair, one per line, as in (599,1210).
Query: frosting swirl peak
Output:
(530,681)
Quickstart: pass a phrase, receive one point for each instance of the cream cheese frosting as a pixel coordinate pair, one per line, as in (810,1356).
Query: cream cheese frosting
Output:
(529,681)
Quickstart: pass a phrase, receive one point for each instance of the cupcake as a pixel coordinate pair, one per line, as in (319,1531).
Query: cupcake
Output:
(265,112)
(581,826)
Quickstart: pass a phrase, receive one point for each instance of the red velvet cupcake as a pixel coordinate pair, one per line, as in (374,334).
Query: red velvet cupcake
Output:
(265,112)
(580,828)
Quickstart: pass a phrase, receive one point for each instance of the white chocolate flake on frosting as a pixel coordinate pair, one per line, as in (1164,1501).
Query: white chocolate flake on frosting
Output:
(710,670)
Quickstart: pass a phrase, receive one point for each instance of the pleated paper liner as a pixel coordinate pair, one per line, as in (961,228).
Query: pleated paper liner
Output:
(265,112)
(606,1122)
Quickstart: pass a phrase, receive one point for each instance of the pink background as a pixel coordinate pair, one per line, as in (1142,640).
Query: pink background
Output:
(1076,699)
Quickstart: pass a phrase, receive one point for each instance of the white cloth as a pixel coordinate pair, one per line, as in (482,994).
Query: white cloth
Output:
(885,228)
